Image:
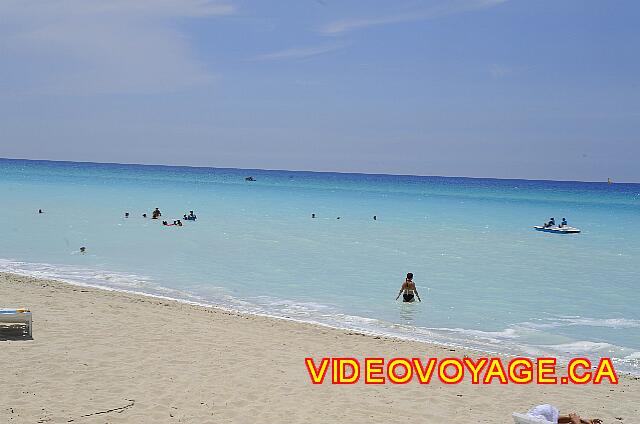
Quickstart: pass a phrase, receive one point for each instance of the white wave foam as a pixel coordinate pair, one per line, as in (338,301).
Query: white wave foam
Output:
(581,347)
(635,356)
(566,321)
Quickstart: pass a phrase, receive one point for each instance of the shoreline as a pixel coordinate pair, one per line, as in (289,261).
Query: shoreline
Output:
(147,359)
(229,309)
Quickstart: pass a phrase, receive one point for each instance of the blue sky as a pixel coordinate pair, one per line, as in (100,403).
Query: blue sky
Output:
(491,88)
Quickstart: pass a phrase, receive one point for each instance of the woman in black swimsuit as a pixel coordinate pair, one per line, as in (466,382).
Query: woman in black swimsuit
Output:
(408,290)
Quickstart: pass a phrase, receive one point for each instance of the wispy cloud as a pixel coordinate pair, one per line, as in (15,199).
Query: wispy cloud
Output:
(499,71)
(299,53)
(96,46)
(443,8)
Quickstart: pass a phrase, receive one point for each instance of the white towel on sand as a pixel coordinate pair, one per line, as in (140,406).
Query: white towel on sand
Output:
(544,412)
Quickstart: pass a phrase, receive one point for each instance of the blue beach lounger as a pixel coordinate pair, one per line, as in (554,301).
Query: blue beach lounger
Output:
(16,316)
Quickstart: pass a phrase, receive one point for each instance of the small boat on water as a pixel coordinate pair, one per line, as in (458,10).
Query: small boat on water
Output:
(559,230)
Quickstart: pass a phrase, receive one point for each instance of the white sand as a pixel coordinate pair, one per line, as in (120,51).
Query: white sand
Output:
(106,357)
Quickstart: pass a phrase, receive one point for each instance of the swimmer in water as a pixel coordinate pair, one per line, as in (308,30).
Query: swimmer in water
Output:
(83,249)
(126,214)
(408,290)
(313,215)
(40,211)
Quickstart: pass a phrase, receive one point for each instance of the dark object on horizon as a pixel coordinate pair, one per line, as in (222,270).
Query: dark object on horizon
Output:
(40,211)
(313,215)
(249,179)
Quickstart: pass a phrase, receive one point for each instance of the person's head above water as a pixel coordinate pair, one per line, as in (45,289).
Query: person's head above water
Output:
(410,276)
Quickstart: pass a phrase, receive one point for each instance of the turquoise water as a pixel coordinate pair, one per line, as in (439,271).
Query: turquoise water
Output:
(486,278)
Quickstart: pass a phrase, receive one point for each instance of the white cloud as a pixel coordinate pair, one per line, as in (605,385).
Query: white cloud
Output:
(298,53)
(443,8)
(110,46)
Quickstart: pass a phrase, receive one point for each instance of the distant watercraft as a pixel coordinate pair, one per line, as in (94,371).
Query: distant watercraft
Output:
(249,179)
(560,230)
(609,181)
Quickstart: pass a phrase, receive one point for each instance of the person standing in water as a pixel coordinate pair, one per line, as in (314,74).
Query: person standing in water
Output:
(408,290)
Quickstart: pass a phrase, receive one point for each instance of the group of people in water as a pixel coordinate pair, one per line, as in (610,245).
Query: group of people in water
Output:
(190,217)
(177,222)
(552,223)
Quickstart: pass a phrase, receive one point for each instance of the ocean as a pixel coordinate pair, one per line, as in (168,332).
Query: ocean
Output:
(486,278)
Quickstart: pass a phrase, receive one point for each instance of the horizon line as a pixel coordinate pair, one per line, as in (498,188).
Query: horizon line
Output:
(317,172)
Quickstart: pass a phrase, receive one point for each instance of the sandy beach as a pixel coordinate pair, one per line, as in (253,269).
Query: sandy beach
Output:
(107,357)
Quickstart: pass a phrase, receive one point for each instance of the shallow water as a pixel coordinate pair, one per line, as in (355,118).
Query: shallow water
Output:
(486,278)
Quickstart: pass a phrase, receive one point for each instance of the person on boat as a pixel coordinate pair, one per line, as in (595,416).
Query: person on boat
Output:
(408,290)
(551,223)
(165,223)
(192,216)
(550,413)
(185,217)
(156,214)
(179,223)
(563,223)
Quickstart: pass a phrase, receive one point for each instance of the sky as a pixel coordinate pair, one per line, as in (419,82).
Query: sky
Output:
(483,88)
